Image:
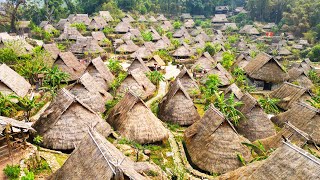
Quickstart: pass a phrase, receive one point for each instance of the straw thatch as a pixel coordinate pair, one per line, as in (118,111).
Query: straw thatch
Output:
(266,68)
(256,124)
(137,82)
(12,82)
(142,18)
(62,24)
(123,27)
(70,33)
(135,121)
(128,47)
(161,17)
(66,121)
(288,94)
(304,117)
(86,45)
(100,72)
(205,62)
(98,35)
(177,106)
(232,26)
(249,30)
(79,18)
(224,76)
(143,52)
(297,75)
(97,158)
(152,19)
(155,35)
(69,64)
(213,143)
(189,23)
(219,18)
(4,121)
(97,23)
(288,162)
(106,15)
(241,61)
(162,44)
(187,80)
(182,52)
(167,26)
(155,61)
(138,63)
(203,37)
(52,49)
(90,92)
(128,18)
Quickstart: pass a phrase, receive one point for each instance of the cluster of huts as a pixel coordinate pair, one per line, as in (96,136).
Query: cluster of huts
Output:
(73,121)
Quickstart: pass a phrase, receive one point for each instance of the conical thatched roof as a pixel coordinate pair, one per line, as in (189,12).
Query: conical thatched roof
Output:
(62,24)
(213,143)
(79,18)
(52,49)
(135,121)
(66,121)
(250,30)
(142,18)
(266,68)
(128,47)
(224,76)
(122,27)
(156,59)
(256,124)
(96,158)
(304,117)
(100,72)
(152,19)
(138,63)
(205,62)
(189,23)
(298,75)
(143,52)
(97,23)
(182,52)
(90,92)
(187,80)
(155,35)
(68,63)
(219,18)
(86,45)
(128,18)
(167,26)
(70,33)
(161,17)
(106,15)
(241,61)
(137,82)
(177,106)
(12,82)
(288,162)
(98,35)
(288,94)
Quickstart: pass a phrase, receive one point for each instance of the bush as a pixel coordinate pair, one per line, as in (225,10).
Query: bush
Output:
(269,105)
(108,30)
(114,66)
(177,25)
(147,36)
(314,54)
(227,60)
(12,172)
(81,27)
(155,77)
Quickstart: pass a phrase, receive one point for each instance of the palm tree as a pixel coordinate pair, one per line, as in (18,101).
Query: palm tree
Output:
(28,104)
(155,77)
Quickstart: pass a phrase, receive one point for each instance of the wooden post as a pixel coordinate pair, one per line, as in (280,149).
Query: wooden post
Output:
(8,141)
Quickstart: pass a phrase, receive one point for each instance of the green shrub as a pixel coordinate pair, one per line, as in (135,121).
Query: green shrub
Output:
(12,172)
(177,25)
(147,36)
(81,27)
(29,175)
(269,105)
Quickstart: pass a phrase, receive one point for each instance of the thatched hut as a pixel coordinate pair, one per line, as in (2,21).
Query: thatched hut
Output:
(79,18)
(123,27)
(69,64)
(86,45)
(100,72)
(135,121)
(183,52)
(97,23)
(219,19)
(186,16)
(241,61)
(52,49)
(167,26)
(288,94)
(90,92)
(224,76)
(303,116)
(98,36)
(213,143)
(70,33)
(12,82)
(300,76)
(143,52)
(66,121)
(161,17)
(288,162)
(128,18)
(128,47)
(62,24)
(138,63)
(137,82)
(177,106)
(155,35)
(205,62)
(249,30)
(142,18)
(266,71)
(189,23)
(187,80)
(155,62)
(96,158)
(106,15)
(152,19)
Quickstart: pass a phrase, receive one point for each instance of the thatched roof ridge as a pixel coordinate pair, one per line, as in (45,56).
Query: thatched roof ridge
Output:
(304,117)
(106,15)
(152,19)
(97,22)
(187,80)
(288,94)
(221,142)
(100,72)
(4,121)
(156,59)
(182,51)
(167,26)
(177,106)
(69,63)
(11,81)
(233,88)
(123,27)
(70,33)
(66,121)
(90,92)
(286,163)
(155,35)
(220,18)
(52,49)
(250,30)
(79,18)
(265,67)
(224,76)
(138,63)
(128,47)
(205,62)
(143,52)
(135,121)
(301,77)
(241,61)
(97,158)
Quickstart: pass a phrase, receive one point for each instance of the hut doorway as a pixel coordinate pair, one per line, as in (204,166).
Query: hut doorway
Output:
(267,86)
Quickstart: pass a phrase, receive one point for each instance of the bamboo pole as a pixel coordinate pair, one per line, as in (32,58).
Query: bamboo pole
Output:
(8,141)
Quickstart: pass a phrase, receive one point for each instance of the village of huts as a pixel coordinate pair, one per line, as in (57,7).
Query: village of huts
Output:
(161,90)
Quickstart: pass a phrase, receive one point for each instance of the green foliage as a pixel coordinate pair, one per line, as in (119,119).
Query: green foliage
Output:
(241,159)
(155,77)
(61,47)
(27,104)
(108,30)
(314,54)
(258,151)
(117,81)
(155,107)
(38,140)
(175,43)
(114,66)
(81,27)
(177,25)
(54,78)
(29,175)
(228,106)
(269,105)
(227,60)
(164,55)
(173,127)
(8,56)
(212,49)
(12,172)
(313,75)
(241,79)
(206,24)
(7,106)
(131,143)
(241,19)
(212,84)
(111,103)
(233,39)
(147,36)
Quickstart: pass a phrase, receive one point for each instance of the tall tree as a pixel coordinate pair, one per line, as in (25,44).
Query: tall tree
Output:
(10,14)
